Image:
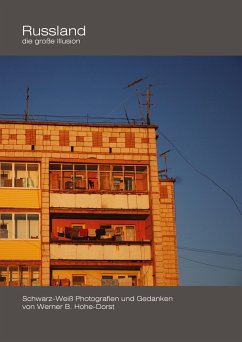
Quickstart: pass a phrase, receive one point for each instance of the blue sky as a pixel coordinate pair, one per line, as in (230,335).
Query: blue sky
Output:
(197,103)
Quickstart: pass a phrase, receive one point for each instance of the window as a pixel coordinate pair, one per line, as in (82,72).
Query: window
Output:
(32,176)
(124,233)
(124,281)
(20,226)
(55,177)
(78,280)
(78,225)
(19,275)
(80,178)
(117,177)
(128,183)
(119,280)
(19,175)
(92,177)
(141,178)
(95,177)
(34,279)
(24,276)
(129,176)
(118,233)
(129,233)
(107,280)
(13,276)
(91,277)
(133,279)
(6,175)
(3,275)
(92,230)
(6,226)
(67,177)
(33,226)
(104,177)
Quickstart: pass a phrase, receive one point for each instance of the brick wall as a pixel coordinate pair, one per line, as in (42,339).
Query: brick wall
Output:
(30,136)
(129,139)
(64,138)
(97,139)
(98,144)
(168,246)
(84,139)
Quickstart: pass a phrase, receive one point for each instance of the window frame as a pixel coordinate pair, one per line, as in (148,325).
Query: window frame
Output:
(121,230)
(109,177)
(27,228)
(78,275)
(18,280)
(116,276)
(27,181)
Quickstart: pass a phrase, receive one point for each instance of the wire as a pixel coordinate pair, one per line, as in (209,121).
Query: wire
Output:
(209,251)
(67,116)
(211,265)
(120,104)
(200,172)
(70,118)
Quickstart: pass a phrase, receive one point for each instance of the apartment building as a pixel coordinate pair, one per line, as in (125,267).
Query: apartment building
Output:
(82,205)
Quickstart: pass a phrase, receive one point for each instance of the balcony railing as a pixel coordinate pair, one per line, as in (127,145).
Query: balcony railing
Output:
(98,250)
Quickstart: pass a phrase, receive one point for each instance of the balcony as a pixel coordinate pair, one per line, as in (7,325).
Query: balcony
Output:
(20,249)
(99,201)
(97,250)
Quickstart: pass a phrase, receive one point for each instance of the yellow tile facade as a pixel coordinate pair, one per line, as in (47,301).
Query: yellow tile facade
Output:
(16,198)
(20,250)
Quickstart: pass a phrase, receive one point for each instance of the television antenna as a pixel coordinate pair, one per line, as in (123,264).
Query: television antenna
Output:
(134,84)
(26,114)
(148,95)
(126,115)
(164,172)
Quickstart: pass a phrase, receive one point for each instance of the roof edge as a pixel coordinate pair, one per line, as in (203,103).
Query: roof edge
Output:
(55,123)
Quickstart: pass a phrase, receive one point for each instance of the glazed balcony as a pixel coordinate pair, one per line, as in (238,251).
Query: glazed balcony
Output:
(98,186)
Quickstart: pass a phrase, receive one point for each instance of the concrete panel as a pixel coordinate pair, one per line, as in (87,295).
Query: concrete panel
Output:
(100,252)
(99,201)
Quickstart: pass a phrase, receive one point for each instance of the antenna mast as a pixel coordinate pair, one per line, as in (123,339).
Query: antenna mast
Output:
(164,172)
(126,114)
(26,114)
(148,95)
(134,83)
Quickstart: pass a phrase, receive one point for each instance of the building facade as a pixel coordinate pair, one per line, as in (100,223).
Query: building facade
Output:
(82,204)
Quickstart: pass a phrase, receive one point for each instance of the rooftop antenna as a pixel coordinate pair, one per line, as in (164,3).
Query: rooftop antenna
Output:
(164,172)
(148,95)
(126,114)
(134,83)
(26,114)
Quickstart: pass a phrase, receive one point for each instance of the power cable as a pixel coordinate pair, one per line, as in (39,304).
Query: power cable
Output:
(64,116)
(69,118)
(211,265)
(200,172)
(209,251)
